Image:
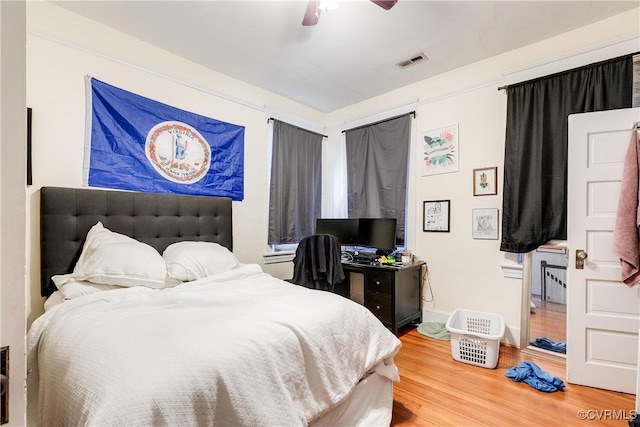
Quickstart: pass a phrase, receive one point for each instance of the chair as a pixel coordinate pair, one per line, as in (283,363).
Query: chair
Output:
(317,263)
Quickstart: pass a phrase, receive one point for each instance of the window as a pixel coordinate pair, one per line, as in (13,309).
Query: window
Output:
(295,190)
(377,160)
(535,166)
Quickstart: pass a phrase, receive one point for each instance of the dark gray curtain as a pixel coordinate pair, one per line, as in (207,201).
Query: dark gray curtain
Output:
(377,157)
(535,164)
(296,183)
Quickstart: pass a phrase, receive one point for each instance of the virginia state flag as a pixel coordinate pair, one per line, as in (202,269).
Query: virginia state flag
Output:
(135,143)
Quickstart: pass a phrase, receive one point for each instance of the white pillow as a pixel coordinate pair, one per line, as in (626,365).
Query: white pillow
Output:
(70,288)
(110,258)
(190,260)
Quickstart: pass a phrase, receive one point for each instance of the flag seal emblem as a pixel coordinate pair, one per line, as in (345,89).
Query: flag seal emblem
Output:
(178,152)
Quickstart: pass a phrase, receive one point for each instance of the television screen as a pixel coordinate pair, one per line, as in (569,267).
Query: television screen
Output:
(379,233)
(346,230)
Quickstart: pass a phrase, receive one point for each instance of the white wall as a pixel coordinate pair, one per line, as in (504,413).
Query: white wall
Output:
(13,120)
(63,48)
(466,273)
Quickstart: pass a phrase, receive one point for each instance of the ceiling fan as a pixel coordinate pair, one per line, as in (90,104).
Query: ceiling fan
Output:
(314,8)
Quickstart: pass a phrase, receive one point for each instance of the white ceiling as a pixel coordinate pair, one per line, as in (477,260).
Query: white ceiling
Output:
(350,55)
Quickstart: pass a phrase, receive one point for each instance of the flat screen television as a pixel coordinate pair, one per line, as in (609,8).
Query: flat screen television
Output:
(378,233)
(346,230)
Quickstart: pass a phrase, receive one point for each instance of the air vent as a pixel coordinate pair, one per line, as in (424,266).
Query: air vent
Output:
(421,57)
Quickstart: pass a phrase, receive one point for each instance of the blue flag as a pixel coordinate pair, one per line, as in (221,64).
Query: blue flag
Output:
(139,144)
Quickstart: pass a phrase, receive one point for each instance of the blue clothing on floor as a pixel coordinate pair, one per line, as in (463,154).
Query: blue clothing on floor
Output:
(531,374)
(549,344)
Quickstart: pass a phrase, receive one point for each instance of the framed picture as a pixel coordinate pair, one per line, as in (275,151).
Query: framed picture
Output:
(484,223)
(484,181)
(436,215)
(440,150)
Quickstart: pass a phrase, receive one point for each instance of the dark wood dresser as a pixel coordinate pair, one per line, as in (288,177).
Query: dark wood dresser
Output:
(392,293)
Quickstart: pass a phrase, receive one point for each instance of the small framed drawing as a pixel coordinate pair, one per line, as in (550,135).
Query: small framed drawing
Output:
(436,215)
(484,181)
(484,223)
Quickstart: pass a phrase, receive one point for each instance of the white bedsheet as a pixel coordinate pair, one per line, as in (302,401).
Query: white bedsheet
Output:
(239,348)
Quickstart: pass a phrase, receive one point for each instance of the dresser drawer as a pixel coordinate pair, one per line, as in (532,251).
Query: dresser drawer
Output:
(379,281)
(380,306)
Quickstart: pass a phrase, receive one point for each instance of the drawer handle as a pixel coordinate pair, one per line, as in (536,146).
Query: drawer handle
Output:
(377,307)
(377,283)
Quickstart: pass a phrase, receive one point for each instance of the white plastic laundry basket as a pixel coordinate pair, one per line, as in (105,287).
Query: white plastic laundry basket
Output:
(475,337)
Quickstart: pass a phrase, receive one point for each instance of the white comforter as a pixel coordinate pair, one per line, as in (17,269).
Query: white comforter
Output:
(240,348)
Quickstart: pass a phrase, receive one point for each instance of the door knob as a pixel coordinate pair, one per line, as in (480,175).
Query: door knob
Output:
(581,255)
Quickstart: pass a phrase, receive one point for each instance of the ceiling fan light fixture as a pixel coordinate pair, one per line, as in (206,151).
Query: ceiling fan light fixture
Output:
(315,7)
(327,5)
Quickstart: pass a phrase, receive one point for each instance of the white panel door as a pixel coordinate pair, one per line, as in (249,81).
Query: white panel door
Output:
(602,312)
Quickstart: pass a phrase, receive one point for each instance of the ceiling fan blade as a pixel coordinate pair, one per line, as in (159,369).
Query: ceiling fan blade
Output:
(385,4)
(312,14)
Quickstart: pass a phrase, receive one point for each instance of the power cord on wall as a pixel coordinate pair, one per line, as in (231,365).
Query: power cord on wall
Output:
(427,290)
(426,285)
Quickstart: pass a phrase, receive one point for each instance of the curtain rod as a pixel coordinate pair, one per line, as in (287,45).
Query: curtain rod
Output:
(413,113)
(272,118)
(632,55)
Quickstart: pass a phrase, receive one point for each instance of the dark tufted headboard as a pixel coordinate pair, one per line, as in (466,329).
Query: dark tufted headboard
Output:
(67,214)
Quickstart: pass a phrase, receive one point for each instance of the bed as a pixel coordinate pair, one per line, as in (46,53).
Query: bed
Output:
(150,319)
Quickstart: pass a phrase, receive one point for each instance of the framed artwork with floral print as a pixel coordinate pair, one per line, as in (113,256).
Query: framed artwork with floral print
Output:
(484,181)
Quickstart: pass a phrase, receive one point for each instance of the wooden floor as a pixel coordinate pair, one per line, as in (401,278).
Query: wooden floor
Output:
(548,323)
(435,390)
